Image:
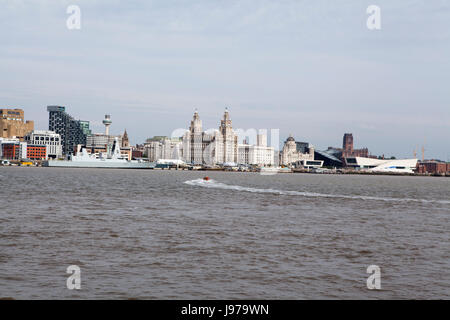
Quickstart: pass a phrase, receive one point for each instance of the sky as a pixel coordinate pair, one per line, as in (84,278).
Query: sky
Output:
(308,68)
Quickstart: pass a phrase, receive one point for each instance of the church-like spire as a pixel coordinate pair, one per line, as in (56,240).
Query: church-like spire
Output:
(226,122)
(226,115)
(125,141)
(196,123)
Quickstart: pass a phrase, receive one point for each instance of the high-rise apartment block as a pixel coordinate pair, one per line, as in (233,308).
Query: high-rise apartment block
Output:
(73,132)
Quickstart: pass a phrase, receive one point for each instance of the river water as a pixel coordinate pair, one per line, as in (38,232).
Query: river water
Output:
(148,234)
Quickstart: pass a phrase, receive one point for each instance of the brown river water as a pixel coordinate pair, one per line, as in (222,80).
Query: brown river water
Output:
(148,234)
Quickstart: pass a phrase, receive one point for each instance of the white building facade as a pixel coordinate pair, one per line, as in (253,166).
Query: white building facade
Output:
(101,141)
(50,139)
(382,165)
(259,154)
(256,155)
(291,154)
(210,148)
(163,148)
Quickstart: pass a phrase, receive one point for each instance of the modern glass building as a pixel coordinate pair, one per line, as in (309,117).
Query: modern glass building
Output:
(85,127)
(73,132)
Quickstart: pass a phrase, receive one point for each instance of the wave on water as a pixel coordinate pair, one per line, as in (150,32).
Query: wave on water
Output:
(219,185)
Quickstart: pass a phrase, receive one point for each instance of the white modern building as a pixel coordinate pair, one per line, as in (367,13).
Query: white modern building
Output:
(259,154)
(308,164)
(382,165)
(50,139)
(210,148)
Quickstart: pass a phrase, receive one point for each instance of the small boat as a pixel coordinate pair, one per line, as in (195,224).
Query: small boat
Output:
(206,179)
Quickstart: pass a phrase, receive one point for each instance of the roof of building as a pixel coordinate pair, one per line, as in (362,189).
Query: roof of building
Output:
(328,156)
(291,138)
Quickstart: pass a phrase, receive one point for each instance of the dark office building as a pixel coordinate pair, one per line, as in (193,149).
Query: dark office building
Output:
(329,158)
(73,132)
(302,147)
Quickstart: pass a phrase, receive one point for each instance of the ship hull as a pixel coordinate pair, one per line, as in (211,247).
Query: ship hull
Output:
(99,164)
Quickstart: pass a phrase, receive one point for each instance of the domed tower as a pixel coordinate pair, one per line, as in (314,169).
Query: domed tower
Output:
(288,154)
(290,143)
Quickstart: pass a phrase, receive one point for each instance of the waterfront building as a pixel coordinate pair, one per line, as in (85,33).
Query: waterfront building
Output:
(210,148)
(98,142)
(73,132)
(256,155)
(37,152)
(12,149)
(195,141)
(293,153)
(101,143)
(261,140)
(161,147)
(125,148)
(259,154)
(226,141)
(137,154)
(335,157)
(382,165)
(85,127)
(349,151)
(329,158)
(48,139)
(12,124)
(433,167)
(125,141)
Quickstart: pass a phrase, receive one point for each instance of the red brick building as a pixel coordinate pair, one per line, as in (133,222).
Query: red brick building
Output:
(10,151)
(137,154)
(433,167)
(36,152)
(349,151)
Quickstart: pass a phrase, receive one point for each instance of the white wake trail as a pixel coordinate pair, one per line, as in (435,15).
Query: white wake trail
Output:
(218,185)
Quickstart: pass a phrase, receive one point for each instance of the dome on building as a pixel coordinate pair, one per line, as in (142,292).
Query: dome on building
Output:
(291,138)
